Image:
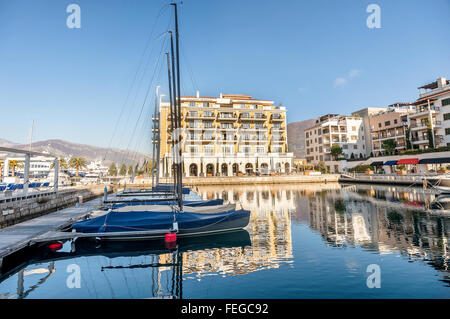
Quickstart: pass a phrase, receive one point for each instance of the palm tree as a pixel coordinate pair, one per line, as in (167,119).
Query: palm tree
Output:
(62,164)
(77,163)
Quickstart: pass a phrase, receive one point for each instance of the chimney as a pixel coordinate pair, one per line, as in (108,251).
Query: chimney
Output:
(441,82)
(198,93)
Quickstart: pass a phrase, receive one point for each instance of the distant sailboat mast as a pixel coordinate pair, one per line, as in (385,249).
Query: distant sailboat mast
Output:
(178,109)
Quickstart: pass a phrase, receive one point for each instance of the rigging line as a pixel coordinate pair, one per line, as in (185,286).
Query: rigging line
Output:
(188,68)
(146,129)
(134,78)
(145,100)
(145,124)
(142,78)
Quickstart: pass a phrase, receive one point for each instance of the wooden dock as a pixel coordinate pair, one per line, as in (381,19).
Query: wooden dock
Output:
(14,238)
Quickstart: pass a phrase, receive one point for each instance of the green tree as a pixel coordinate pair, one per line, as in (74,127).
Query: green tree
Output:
(408,139)
(62,163)
(123,170)
(321,167)
(77,163)
(147,168)
(389,145)
(336,150)
(113,169)
(130,170)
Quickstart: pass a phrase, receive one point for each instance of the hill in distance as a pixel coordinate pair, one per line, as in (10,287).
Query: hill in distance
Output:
(296,137)
(91,153)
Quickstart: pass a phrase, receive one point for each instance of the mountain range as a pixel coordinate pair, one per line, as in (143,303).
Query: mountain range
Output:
(296,137)
(91,153)
(60,148)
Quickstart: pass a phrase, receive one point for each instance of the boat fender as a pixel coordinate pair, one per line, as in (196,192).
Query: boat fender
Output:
(170,237)
(98,242)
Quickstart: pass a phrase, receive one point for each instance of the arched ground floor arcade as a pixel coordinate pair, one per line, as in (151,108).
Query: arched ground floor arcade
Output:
(207,166)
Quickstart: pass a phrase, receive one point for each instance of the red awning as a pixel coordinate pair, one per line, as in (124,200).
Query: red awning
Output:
(408,161)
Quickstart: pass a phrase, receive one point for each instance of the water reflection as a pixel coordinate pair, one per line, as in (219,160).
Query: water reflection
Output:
(385,219)
(363,220)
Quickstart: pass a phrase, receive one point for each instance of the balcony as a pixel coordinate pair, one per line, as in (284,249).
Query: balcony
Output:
(277,118)
(419,140)
(226,117)
(424,111)
(424,125)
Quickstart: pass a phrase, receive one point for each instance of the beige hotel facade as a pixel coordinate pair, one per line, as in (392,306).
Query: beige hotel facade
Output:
(228,135)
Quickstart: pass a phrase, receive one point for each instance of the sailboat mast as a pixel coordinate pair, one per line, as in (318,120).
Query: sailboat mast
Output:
(158,140)
(154,138)
(172,118)
(180,173)
(176,131)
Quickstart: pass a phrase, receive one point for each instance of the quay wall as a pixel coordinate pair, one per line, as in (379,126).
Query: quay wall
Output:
(20,208)
(245,180)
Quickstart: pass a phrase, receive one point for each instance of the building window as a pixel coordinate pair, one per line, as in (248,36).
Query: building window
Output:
(208,124)
(379,124)
(260,149)
(193,150)
(226,149)
(395,121)
(447,131)
(191,103)
(446,116)
(353,128)
(446,102)
(246,149)
(205,104)
(307,134)
(277,149)
(387,123)
(355,147)
(208,149)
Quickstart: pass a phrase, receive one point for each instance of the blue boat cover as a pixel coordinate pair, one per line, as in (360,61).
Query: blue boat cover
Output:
(390,163)
(115,221)
(196,203)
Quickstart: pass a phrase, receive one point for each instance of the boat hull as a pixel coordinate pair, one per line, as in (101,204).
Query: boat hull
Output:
(153,224)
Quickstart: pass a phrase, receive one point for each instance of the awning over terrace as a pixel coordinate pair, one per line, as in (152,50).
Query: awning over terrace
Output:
(436,160)
(408,161)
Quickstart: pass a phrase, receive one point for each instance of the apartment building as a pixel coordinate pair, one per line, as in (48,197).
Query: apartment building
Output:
(433,106)
(390,124)
(227,135)
(365,115)
(331,129)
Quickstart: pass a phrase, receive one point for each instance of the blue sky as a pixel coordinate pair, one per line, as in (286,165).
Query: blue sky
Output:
(314,57)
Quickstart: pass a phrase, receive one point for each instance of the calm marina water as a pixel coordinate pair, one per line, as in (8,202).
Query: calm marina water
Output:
(303,241)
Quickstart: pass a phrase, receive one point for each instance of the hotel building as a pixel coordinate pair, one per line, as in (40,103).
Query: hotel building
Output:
(390,124)
(227,135)
(331,129)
